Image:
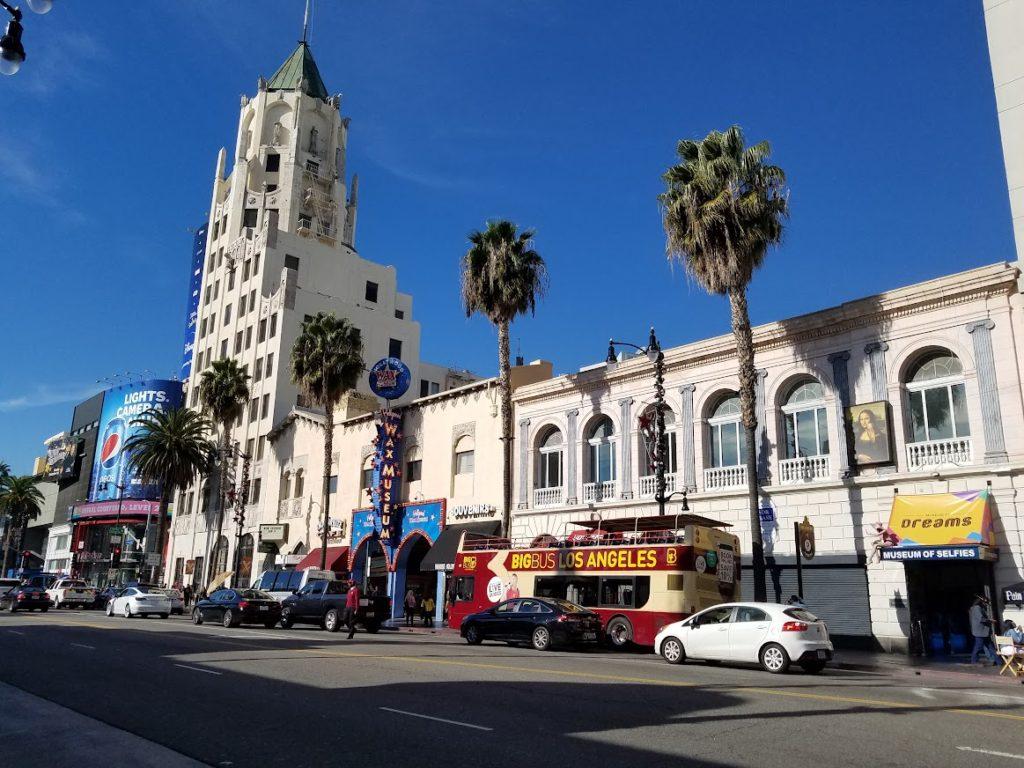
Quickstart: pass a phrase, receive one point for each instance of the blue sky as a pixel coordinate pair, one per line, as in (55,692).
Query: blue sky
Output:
(558,115)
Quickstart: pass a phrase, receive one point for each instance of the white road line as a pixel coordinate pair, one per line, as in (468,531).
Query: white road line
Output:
(198,669)
(991,752)
(436,719)
(965,692)
(80,645)
(15,632)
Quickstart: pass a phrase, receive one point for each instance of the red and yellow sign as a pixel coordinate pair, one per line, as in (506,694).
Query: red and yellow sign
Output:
(585,559)
(941,519)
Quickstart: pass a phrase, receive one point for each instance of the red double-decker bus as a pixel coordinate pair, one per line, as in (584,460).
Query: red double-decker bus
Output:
(637,573)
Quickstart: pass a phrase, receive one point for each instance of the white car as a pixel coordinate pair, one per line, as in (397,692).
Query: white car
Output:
(177,601)
(768,634)
(139,601)
(68,593)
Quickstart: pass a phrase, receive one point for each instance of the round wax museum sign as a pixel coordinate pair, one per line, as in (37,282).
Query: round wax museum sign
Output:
(389,378)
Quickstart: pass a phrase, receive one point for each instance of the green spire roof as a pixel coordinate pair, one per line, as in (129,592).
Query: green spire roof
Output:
(297,68)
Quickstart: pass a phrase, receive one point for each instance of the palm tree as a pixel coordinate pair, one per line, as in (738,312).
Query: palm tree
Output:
(20,500)
(223,392)
(502,278)
(327,362)
(722,209)
(170,448)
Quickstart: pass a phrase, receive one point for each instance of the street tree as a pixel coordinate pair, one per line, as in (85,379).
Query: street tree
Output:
(722,209)
(327,363)
(20,500)
(502,278)
(171,448)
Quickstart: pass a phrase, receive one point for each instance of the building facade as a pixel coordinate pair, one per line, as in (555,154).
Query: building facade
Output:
(936,368)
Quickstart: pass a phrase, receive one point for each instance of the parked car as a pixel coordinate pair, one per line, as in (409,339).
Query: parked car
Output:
(6,585)
(104,596)
(323,602)
(25,598)
(71,593)
(42,580)
(177,601)
(541,621)
(139,601)
(768,634)
(281,583)
(232,607)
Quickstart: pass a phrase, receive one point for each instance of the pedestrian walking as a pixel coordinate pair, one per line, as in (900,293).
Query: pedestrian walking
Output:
(411,606)
(186,595)
(351,608)
(981,630)
(428,611)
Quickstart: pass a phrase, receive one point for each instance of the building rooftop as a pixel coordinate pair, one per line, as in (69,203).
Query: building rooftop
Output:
(299,72)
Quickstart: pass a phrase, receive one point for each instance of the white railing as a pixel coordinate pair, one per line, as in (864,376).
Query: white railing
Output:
(805,469)
(548,497)
(323,175)
(649,485)
(954,452)
(718,478)
(599,491)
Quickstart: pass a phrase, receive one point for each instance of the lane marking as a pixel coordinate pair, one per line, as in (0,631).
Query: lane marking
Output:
(966,692)
(826,697)
(1002,715)
(436,719)
(198,669)
(16,632)
(991,752)
(82,645)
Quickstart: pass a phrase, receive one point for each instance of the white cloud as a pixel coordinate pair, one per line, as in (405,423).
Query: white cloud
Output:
(45,394)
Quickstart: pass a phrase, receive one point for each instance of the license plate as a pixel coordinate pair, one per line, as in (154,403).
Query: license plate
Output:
(822,655)
(590,635)
(264,607)
(370,614)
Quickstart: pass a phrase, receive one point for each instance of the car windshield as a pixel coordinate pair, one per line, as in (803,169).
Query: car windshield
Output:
(800,614)
(566,606)
(74,584)
(148,590)
(255,594)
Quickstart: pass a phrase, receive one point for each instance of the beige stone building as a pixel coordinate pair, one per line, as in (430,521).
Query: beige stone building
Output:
(942,361)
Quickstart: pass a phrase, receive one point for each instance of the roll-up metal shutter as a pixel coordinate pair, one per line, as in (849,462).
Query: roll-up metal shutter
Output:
(838,595)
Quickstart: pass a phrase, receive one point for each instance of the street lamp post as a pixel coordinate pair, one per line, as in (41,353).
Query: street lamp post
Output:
(241,492)
(656,356)
(12,52)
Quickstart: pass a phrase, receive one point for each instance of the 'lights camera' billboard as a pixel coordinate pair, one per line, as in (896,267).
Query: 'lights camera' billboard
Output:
(122,407)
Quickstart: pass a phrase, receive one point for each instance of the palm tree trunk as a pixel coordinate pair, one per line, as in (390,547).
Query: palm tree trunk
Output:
(158,570)
(325,492)
(21,539)
(9,528)
(222,495)
(747,374)
(505,373)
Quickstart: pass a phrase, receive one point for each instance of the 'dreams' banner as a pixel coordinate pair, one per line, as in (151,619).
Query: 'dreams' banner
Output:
(387,462)
(122,406)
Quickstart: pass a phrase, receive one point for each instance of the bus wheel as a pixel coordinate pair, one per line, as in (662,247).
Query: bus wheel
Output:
(619,632)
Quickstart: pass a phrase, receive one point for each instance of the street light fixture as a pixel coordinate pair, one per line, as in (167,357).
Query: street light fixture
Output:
(12,52)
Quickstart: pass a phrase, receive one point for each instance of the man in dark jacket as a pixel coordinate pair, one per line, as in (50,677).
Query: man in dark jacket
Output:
(351,607)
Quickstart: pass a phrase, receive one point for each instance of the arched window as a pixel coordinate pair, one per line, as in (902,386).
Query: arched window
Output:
(300,478)
(220,557)
(806,421)
(728,447)
(464,456)
(602,450)
(648,441)
(549,459)
(366,473)
(286,483)
(938,398)
(245,548)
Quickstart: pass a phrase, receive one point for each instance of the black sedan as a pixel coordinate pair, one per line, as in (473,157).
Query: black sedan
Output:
(232,607)
(541,621)
(99,602)
(25,598)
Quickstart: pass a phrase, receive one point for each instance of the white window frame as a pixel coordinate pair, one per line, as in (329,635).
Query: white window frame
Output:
(792,410)
(721,421)
(544,471)
(947,383)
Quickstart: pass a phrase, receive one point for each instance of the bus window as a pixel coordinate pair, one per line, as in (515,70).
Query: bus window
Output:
(676,583)
(463,589)
(267,581)
(295,581)
(617,592)
(581,590)
(281,584)
(643,591)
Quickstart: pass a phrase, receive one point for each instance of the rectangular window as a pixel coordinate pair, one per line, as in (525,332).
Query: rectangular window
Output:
(255,265)
(202,328)
(291,262)
(424,387)
(254,494)
(263,331)
(395,348)
(216,289)
(270,364)
(332,484)
(265,409)
(238,421)
(223,349)
(273,163)
(216,226)
(252,299)
(231,279)
(257,372)
(259,447)
(195,397)
(367,477)
(434,387)
(464,463)
(371,292)
(238,342)
(241,305)
(414,471)
(248,337)
(399,314)
(313,167)
(273,326)
(227,314)
(250,445)
(208,296)
(249,219)
(211,262)
(254,406)
(246,267)
(582,590)
(463,589)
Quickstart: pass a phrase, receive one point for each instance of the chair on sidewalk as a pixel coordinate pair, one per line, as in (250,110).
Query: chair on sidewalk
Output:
(1012,656)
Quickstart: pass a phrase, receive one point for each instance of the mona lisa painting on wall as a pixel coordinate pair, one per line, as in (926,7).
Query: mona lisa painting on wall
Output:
(870,426)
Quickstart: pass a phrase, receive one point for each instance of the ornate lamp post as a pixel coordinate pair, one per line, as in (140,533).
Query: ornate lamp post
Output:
(12,52)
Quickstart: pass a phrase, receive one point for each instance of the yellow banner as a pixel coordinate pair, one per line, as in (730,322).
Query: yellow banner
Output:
(941,519)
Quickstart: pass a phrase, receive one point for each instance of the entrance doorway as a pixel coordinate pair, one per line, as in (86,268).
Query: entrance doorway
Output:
(940,594)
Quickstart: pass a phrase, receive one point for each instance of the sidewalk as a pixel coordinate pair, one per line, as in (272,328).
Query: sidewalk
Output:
(34,731)
(915,666)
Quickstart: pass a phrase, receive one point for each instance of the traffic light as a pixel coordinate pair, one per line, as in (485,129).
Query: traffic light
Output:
(115,556)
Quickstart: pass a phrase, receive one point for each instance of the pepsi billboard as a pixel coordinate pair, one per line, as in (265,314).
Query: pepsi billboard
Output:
(122,407)
(195,285)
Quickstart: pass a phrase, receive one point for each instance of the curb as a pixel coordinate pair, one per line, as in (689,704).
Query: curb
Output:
(924,671)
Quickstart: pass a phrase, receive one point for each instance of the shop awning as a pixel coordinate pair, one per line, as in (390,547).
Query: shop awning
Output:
(940,526)
(442,555)
(337,559)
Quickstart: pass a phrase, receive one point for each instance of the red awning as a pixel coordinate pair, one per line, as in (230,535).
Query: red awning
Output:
(337,559)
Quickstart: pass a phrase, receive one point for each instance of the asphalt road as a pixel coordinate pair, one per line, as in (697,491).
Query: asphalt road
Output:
(303,697)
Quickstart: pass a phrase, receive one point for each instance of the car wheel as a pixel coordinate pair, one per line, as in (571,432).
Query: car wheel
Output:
(110,608)
(58,606)
(332,621)
(286,620)
(672,651)
(373,627)
(269,624)
(127,610)
(774,659)
(11,608)
(619,632)
(164,615)
(541,639)
(229,619)
(44,610)
(197,617)
(473,635)
(812,666)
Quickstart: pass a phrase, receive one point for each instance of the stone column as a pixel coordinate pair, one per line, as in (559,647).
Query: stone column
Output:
(625,473)
(524,463)
(841,381)
(761,434)
(571,485)
(688,456)
(988,391)
(876,361)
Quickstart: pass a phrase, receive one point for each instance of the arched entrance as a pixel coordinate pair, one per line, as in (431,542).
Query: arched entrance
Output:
(408,574)
(370,567)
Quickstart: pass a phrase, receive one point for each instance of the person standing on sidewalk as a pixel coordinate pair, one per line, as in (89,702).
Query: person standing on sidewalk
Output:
(428,611)
(981,629)
(351,608)
(411,604)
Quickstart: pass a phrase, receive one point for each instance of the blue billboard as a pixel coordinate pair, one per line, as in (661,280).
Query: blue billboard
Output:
(195,285)
(123,406)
